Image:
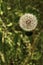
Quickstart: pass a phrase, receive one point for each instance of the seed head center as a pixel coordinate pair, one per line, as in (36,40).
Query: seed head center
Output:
(28,22)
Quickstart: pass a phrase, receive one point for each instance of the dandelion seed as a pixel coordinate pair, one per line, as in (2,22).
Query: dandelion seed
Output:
(28,22)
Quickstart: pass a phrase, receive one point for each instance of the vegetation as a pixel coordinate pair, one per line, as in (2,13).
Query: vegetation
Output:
(18,47)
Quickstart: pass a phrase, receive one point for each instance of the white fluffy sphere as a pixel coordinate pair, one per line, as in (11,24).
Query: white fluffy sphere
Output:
(28,22)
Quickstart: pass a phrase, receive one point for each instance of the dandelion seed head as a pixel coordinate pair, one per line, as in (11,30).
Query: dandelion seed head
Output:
(28,22)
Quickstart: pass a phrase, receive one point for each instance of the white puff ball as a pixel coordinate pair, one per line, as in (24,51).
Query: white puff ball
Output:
(28,22)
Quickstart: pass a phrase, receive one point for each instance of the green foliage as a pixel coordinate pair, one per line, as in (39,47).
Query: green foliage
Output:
(19,47)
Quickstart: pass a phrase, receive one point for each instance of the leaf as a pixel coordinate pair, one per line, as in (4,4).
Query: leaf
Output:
(9,25)
(2,57)
(36,56)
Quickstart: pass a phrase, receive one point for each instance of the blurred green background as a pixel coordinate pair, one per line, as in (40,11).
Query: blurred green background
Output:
(18,47)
